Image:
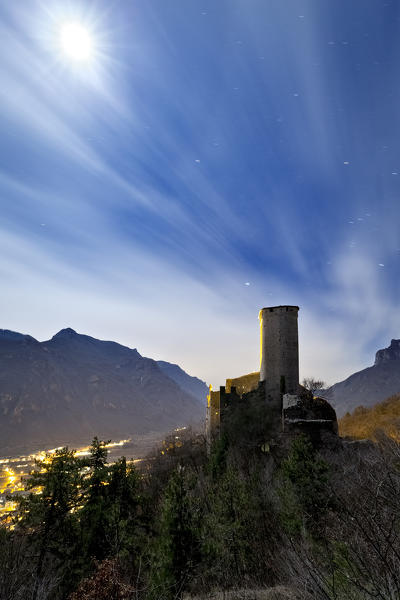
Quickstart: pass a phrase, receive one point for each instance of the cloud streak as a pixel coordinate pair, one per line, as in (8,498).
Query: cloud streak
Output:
(204,149)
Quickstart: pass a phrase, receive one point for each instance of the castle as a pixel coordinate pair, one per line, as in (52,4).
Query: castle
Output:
(293,408)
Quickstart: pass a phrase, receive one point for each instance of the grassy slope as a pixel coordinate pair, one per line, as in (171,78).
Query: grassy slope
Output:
(364,422)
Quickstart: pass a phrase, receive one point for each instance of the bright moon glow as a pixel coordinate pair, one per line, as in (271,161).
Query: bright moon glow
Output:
(76,41)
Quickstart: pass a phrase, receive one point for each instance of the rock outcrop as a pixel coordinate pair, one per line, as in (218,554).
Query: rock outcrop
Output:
(388,354)
(369,386)
(307,414)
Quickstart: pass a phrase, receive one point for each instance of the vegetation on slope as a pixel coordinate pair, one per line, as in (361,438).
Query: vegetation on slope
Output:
(364,423)
(322,523)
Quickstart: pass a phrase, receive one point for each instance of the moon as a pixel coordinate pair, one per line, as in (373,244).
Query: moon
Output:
(76,42)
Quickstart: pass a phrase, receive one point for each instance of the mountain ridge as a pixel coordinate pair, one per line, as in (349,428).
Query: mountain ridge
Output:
(370,385)
(74,386)
(190,383)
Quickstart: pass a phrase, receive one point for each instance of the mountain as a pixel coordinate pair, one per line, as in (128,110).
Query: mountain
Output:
(365,422)
(369,386)
(192,385)
(69,388)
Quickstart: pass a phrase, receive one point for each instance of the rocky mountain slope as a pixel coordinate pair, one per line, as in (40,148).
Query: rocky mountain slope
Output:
(369,386)
(73,386)
(192,385)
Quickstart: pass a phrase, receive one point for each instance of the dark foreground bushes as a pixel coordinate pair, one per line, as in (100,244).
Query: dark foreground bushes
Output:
(251,515)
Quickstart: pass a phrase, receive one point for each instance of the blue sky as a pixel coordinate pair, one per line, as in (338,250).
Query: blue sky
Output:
(211,158)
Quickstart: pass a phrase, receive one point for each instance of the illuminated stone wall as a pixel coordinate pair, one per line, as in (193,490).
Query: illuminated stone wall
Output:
(243,384)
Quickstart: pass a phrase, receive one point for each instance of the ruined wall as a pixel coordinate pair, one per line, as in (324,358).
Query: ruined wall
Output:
(243,384)
(279,358)
(308,414)
(291,409)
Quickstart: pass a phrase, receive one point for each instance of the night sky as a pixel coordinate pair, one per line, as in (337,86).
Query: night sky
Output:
(209,158)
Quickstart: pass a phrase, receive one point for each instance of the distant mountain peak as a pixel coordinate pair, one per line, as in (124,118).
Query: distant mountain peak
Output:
(388,354)
(65,333)
(7,334)
(67,389)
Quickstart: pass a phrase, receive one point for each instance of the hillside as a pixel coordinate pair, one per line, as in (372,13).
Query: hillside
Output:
(369,386)
(192,385)
(69,388)
(364,422)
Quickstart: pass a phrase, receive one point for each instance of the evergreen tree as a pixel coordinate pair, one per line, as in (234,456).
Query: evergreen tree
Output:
(228,528)
(109,518)
(176,547)
(49,511)
(94,512)
(122,524)
(303,491)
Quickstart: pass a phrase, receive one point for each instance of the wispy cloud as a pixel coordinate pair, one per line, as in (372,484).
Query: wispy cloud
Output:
(202,150)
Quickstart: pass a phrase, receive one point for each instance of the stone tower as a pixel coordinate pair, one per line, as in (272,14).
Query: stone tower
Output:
(279,346)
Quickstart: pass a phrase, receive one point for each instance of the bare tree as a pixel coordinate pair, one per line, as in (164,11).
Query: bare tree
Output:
(358,555)
(313,385)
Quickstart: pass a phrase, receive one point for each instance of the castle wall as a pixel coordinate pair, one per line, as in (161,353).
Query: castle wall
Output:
(291,409)
(279,371)
(279,359)
(243,384)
